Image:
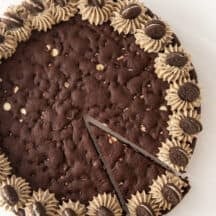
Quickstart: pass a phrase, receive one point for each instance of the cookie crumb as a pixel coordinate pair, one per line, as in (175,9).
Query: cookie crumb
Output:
(23,111)
(100,67)
(7,106)
(120,58)
(142,128)
(163,108)
(20,120)
(16,89)
(54,52)
(1,80)
(48,46)
(125,109)
(112,140)
(161,132)
(66,84)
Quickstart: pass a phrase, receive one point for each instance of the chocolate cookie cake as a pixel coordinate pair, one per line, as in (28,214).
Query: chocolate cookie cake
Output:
(99,110)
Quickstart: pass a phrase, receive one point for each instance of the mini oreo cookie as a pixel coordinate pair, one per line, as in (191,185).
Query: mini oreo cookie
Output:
(132,11)
(155,29)
(189,92)
(144,210)
(10,195)
(190,125)
(103,211)
(178,156)
(172,194)
(177,59)
(37,209)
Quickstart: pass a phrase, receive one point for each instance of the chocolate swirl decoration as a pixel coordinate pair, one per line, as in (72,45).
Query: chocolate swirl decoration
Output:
(142,204)
(184,126)
(5,168)
(183,95)
(173,65)
(42,203)
(8,43)
(154,35)
(14,192)
(167,190)
(104,204)
(17,23)
(96,11)
(175,154)
(40,14)
(72,208)
(63,10)
(128,16)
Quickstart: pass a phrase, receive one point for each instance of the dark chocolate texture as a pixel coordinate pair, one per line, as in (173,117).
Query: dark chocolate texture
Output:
(49,145)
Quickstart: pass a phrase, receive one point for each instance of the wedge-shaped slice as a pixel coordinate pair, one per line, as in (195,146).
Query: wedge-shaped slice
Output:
(146,187)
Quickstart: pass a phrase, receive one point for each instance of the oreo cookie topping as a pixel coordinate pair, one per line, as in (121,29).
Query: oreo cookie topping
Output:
(72,209)
(104,205)
(142,204)
(128,16)
(111,64)
(185,126)
(42,203)
(17,23)
(175,154)
(154,35)
(183,95)
(167,190)
(189,92)
(14,193)
(96,11)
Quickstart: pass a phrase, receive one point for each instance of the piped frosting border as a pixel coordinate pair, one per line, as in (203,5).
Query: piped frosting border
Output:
(42,16)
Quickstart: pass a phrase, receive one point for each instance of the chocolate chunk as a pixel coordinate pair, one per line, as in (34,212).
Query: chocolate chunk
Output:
(178,156)
(37,209)
(144,210)
(190,125)
(103,211)
(2,39)
(96,3)
(189,92)
(177,59)
(20,212)
(155,29)
(172,194)
(132,11)
(10,195)
(69,212)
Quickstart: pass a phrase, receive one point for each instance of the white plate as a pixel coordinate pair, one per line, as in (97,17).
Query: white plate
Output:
(194,23)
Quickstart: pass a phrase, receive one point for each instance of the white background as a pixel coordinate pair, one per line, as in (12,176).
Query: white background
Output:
(194,21)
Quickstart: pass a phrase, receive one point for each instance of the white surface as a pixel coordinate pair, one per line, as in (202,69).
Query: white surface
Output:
(194,23)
